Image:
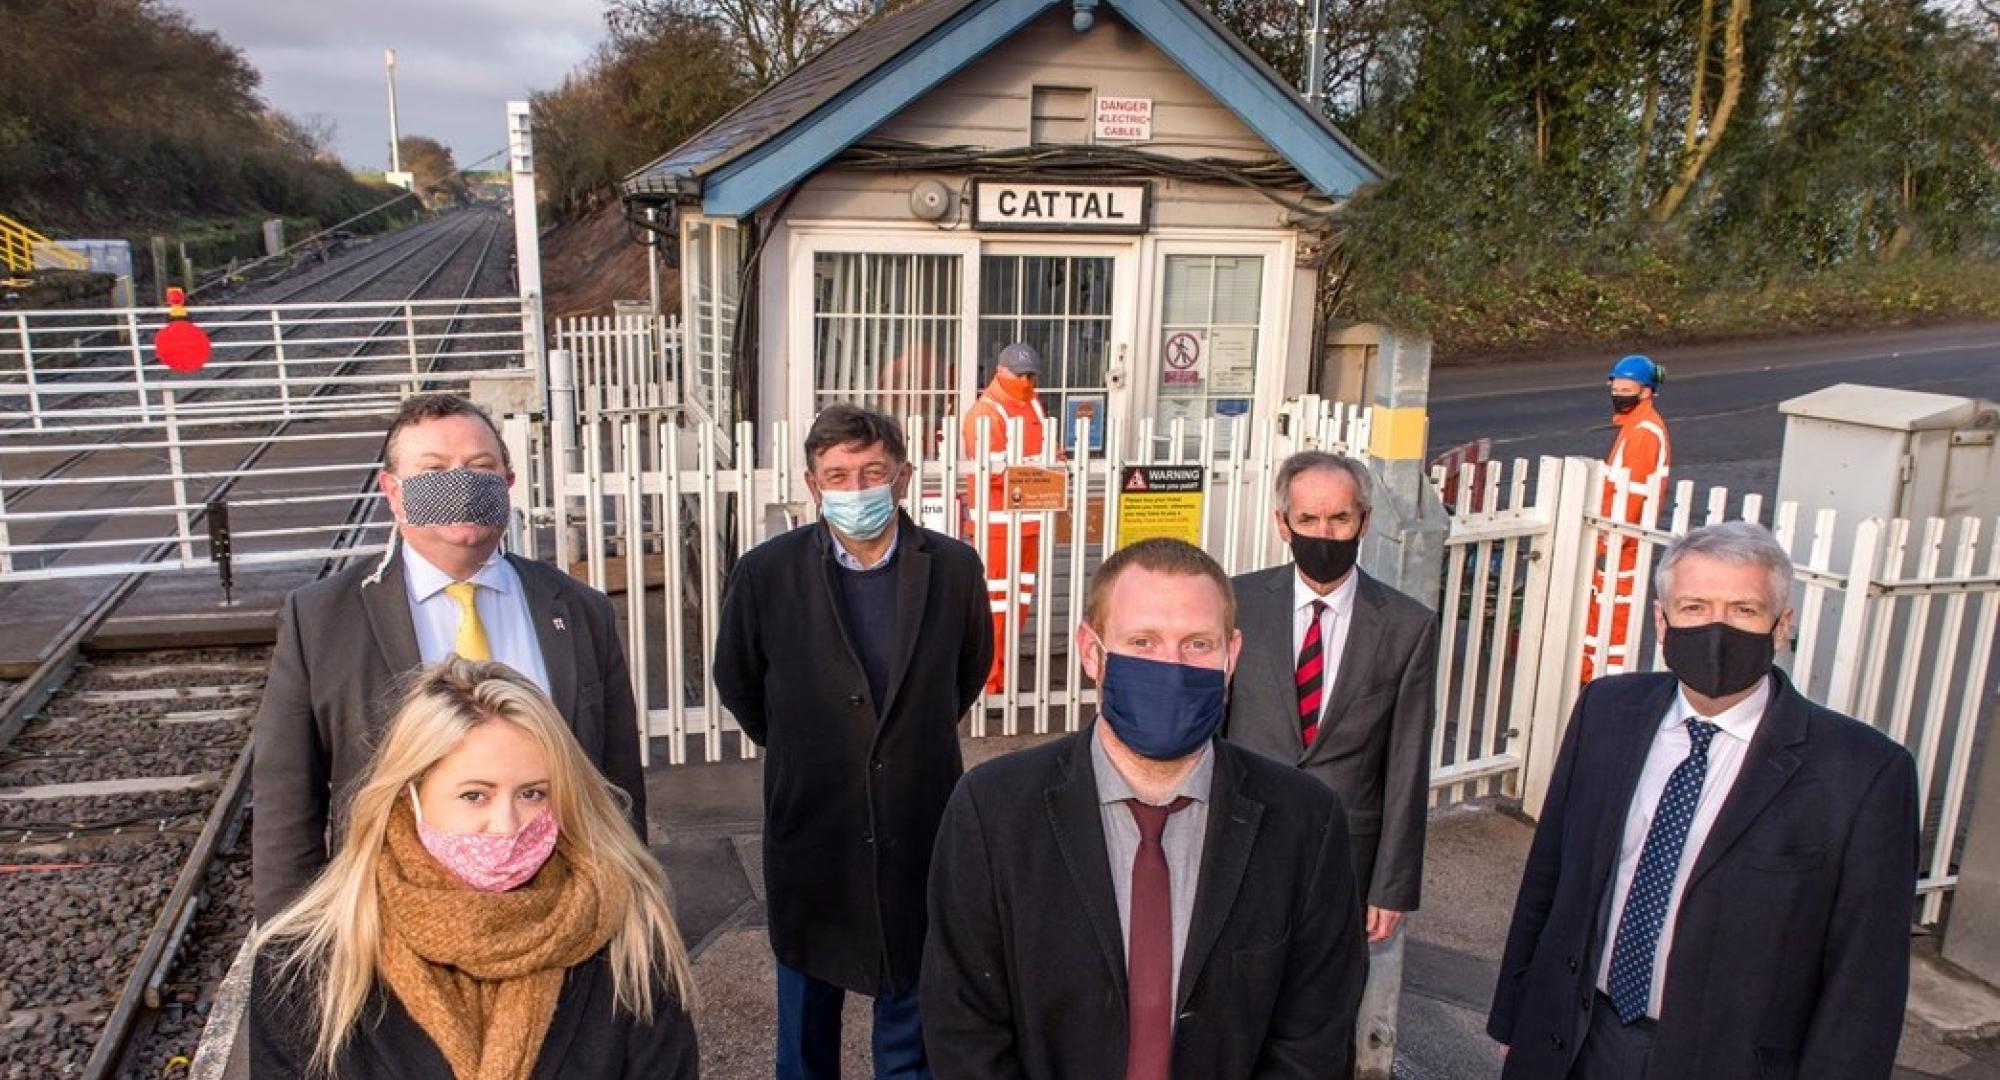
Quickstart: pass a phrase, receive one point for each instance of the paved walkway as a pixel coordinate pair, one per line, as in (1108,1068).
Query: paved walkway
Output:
(706,819)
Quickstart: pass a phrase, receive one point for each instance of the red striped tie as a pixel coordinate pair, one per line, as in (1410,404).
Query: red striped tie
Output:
(1311,675)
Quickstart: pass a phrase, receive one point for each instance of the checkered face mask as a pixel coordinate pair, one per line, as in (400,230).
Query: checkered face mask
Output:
(455,497)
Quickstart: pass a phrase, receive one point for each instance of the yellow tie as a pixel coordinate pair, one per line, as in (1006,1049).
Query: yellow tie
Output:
(471,632)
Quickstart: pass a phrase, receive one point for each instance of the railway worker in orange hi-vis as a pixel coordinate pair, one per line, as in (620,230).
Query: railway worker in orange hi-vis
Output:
(1010,396)
(1639,460)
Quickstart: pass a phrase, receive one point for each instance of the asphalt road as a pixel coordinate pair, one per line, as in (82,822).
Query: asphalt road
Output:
(1720,401)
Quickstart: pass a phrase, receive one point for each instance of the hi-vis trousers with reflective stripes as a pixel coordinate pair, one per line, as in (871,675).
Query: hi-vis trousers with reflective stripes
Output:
(998,592)
(1620,638)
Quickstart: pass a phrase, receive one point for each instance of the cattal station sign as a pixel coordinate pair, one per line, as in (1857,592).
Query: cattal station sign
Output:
(1028,206)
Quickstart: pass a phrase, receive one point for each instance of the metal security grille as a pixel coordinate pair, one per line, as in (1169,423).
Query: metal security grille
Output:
(1061,305)
(886,333)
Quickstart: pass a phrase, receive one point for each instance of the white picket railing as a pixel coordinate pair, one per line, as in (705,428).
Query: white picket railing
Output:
(657,508)
(622,361)
(1895,625)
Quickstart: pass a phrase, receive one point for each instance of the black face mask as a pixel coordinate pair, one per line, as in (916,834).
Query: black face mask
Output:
(1323,559)
(1717,659)
(1624,403)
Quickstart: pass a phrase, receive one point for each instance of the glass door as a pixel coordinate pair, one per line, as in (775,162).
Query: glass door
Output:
(1071,305)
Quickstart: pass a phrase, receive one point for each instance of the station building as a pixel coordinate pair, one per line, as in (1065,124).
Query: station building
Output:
(1120,183)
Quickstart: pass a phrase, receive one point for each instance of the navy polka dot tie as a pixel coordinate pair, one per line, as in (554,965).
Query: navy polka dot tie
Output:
(1645,913)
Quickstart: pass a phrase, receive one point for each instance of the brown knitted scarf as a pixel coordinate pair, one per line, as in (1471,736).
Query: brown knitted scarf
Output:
(478,971)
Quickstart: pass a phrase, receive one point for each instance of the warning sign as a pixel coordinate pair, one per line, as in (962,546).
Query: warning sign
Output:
(1182,359)
(1160,500)
(1030,487)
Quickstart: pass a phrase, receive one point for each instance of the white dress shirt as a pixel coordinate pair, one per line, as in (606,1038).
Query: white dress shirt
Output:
(1334,621)
(503,611)
(1671,744)
(852,561)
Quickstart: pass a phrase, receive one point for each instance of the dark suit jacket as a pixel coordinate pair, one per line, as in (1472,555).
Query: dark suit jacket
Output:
(343,647)
(1374,744)
(1790,955)
(852,792)
(589,1035)
(1024,973)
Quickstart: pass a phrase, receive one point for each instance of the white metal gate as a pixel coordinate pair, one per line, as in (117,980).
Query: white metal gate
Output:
(648,502)
(1900,634)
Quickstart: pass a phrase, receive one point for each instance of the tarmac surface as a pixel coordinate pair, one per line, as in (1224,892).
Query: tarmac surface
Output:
(1720,401)
(706,820)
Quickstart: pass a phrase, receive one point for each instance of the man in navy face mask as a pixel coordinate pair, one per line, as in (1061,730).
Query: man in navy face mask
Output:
(1140,900)
(848,649)
(1722,880)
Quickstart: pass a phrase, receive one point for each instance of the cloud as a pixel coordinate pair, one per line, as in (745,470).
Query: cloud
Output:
(458,62)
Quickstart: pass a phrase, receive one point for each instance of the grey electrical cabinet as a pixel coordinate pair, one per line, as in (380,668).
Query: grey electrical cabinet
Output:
(1867,451)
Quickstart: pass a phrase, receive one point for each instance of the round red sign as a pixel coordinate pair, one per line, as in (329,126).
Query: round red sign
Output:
(182,346)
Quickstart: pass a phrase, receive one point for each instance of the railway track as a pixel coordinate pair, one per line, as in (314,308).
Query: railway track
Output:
(124,802)
(122,818)
(379,263)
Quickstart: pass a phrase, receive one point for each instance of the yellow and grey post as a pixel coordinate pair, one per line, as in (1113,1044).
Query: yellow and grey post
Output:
(1404,549)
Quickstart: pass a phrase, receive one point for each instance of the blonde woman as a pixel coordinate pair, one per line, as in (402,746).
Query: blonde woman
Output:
(489,915)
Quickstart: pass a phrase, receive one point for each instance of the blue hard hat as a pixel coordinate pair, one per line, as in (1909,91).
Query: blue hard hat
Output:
(1639,369)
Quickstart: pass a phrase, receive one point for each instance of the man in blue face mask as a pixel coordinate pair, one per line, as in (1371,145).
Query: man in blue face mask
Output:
(1141,900)
(848,649)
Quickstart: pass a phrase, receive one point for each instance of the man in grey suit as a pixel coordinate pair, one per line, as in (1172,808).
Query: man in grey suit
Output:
(345,642)
(1338,678)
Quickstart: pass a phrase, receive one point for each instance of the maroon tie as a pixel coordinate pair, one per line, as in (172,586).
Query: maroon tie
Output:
(1311,675)
(1149,956)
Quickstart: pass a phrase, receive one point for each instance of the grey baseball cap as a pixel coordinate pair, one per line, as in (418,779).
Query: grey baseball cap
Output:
(1021,359)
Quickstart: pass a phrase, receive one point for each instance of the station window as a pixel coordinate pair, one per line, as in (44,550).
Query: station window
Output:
(1061,305)
(715,262)
(886,334)
(1061,115)
(1208,342)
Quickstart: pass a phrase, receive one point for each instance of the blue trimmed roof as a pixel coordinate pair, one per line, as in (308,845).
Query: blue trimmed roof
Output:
(798,124)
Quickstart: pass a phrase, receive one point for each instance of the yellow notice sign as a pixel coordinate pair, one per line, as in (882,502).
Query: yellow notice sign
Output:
(1160,500)
(1030,487)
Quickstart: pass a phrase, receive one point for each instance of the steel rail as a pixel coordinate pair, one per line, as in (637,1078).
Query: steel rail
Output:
(141,992)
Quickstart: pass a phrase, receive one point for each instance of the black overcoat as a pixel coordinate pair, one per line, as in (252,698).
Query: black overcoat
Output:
(852,802)
(1025,970)
(589,1037)
(1791,952)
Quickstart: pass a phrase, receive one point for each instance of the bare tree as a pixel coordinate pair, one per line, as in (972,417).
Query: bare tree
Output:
(771,37)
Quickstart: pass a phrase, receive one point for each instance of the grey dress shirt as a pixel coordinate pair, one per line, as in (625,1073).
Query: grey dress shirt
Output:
(1181,841)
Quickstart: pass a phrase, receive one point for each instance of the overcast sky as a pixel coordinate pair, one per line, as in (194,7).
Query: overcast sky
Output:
(458,62)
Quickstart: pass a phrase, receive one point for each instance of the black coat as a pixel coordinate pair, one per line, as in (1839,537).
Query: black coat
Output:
(1024,973)
(1790,954)
(589,1038)
(342,647)
(851,803)
(1374,745)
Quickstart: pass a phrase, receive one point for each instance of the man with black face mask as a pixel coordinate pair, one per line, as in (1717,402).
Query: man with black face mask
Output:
(1721,883)
(1636,471)
(1339,680)
(1141,900)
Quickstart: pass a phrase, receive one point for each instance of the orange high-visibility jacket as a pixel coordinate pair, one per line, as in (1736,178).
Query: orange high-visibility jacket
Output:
(996,409)
(1642,449)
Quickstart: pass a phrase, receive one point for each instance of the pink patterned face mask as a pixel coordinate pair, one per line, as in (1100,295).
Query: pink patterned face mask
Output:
(490,862)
